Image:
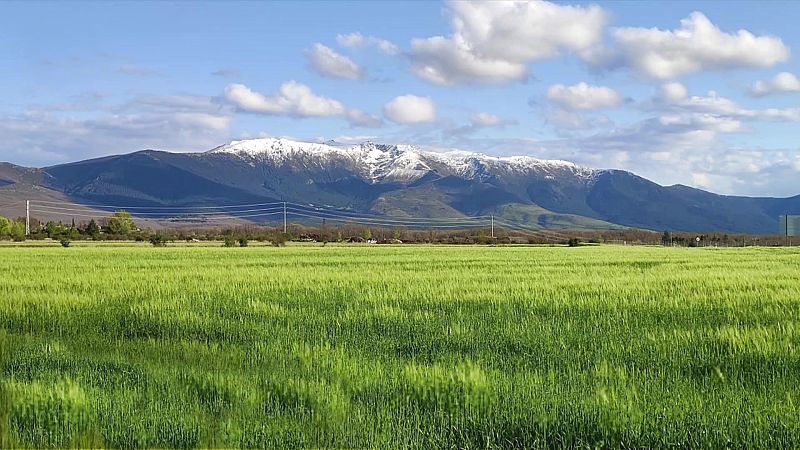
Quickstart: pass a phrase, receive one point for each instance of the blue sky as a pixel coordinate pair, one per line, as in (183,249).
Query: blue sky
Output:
(699,93)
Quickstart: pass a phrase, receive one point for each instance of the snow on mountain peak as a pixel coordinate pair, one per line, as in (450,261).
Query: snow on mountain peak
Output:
(390,162)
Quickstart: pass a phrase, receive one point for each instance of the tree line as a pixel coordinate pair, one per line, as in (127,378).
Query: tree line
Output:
(121,226)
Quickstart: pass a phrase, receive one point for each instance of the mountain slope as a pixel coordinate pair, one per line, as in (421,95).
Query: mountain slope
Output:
(400,181)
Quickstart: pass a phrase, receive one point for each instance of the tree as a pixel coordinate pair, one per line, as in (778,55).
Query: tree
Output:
(366,234)
(5,227)
(53,229)
(18,231)
(157,240)
(279,239)
(121,223)
(666,238)
(93,229)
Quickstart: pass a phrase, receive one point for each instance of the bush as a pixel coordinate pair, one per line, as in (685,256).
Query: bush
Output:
(279,239)
(243,242)
(65,242)
(229,242)
(158,240)
(574,242)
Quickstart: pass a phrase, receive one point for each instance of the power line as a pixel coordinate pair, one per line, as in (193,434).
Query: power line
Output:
(344,212)
(172,218)
(414,221)
(364,222)
(538,233)
(161,214)
(236,209)
(551,235)
(157,207)
(229,212)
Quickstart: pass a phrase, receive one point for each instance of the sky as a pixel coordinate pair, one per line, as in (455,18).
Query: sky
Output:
(703,94)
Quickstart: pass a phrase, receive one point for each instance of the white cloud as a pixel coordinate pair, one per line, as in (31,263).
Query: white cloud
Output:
(583,96)
(449,61)
(696,46)
(410,109)
(296,100)
(673,92)
(330,64)
(358,40)
(292,99)
(674,97)
(782,82)
(485,119)
(493,41)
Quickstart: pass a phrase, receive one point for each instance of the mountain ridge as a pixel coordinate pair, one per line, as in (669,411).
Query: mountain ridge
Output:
(398,180)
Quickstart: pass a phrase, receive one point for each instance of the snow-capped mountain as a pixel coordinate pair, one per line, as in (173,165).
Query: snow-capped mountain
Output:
(399,180)
(391,162)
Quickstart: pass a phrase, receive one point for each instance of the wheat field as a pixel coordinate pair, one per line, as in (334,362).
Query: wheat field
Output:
(399,347)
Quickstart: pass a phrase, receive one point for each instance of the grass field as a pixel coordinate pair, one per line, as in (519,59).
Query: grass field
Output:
(414,347)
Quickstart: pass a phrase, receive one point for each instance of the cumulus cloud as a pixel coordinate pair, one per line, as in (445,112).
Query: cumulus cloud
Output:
(292,99)
(358,40)
(782,82)
(297,100)
(493,41)
(485,119)
(696,46)
(583,96)
(673,92)
(410,109)
(328,63)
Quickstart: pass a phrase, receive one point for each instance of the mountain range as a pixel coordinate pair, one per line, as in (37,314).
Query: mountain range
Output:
(396,181)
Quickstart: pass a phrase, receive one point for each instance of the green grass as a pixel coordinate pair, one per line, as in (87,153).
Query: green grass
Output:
(387,347)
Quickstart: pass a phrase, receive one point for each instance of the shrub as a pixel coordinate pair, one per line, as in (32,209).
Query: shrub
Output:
(65,242)
(229,242)
(158,240)
(279,239)
(243,242)
(574,242)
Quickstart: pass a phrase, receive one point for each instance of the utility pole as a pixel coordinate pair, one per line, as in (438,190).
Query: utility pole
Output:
(786,222)
(284,217)
(27,217)
(492,226)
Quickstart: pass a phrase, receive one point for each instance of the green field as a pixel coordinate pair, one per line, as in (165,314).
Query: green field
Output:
(387,347)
